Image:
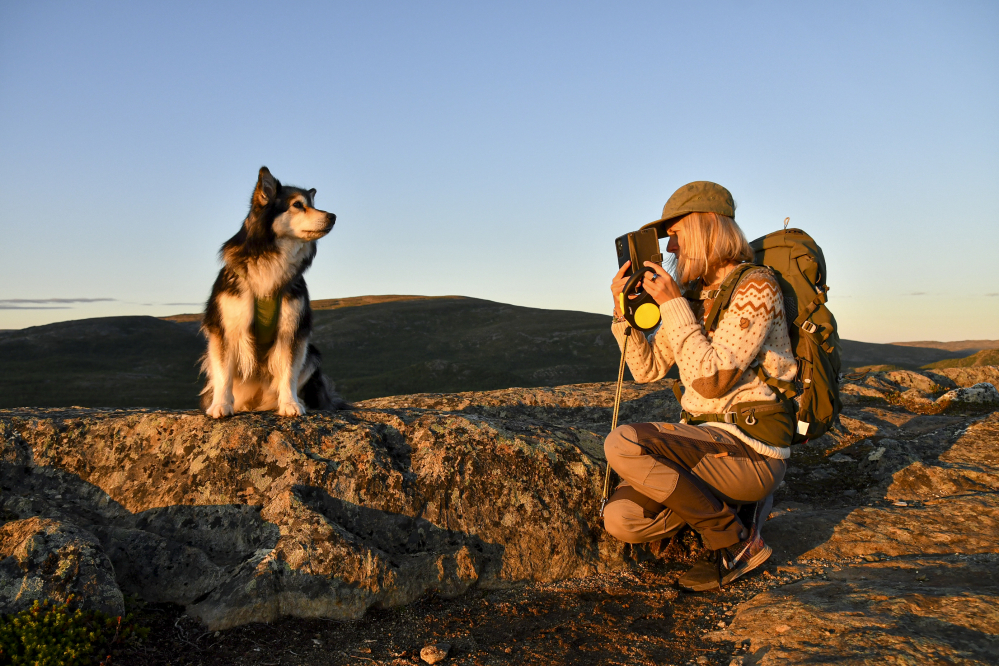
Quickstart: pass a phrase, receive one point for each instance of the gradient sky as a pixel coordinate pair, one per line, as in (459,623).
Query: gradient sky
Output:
(496,149)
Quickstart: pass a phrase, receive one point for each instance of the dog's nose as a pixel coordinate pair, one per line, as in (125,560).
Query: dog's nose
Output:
(330,219)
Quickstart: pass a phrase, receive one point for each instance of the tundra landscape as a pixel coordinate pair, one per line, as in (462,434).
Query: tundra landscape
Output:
(464,520)
(313,321)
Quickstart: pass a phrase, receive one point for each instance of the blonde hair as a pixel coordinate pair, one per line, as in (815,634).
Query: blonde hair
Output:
(709,240)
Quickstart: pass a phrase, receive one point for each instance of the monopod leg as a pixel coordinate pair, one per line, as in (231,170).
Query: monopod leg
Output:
(617,408)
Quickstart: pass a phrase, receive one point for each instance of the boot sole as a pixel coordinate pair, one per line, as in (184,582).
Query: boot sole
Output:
(753,563)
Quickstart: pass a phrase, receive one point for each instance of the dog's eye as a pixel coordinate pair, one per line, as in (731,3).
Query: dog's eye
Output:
(298,205)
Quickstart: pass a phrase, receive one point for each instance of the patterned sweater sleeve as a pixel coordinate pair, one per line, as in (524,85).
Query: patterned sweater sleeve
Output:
(713,367)
(648,361)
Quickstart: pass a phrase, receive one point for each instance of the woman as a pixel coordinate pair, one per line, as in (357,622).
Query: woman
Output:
(730,447)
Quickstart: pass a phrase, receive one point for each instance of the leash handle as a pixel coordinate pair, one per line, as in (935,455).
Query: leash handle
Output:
(617,409)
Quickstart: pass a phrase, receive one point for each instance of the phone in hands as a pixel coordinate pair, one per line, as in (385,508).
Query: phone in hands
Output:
(638,247)
(639,308)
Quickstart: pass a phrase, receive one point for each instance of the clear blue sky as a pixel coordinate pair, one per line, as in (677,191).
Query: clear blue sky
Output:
(496,149)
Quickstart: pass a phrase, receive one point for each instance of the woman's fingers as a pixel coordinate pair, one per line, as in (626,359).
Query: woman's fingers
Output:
(620,279)
(657,268)
(617,286)
(660,285)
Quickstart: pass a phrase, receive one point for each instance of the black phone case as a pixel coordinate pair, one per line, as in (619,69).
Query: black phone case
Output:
(638,247)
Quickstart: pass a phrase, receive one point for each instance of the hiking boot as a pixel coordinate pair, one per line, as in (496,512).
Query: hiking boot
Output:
(726,564)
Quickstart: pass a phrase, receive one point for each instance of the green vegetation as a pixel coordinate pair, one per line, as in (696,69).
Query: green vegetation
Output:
(53,634)
(876,368)
(984,357)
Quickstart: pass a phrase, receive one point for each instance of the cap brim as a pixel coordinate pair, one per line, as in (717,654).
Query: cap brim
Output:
(662,225)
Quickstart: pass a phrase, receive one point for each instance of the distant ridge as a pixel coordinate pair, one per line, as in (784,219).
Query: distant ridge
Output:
(329,304)
(984,357)
(959,345)
(372,346)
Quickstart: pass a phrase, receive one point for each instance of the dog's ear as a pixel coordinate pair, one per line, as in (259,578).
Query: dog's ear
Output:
(312,196)
(266,188)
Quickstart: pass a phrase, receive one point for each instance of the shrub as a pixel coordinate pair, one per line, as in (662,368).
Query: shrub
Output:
(54,634)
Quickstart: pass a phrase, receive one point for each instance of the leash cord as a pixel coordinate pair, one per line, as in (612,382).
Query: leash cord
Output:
(617,409)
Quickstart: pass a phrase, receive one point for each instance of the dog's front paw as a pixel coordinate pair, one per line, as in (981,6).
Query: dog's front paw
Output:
(219,409)
(291,409)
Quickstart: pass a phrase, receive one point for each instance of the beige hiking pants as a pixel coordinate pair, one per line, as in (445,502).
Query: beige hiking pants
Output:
(675,474)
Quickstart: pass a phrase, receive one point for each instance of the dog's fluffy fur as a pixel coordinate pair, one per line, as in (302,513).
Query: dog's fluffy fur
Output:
(266,260)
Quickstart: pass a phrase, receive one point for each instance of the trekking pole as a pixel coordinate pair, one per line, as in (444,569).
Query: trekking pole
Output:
(617,408)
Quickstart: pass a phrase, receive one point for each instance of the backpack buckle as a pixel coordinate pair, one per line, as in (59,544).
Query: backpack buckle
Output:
(730,417)
(809,327)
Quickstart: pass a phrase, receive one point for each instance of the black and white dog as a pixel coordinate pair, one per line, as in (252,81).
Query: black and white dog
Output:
(258,319)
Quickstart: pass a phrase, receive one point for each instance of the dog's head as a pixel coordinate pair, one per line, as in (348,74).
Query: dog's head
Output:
(286,212)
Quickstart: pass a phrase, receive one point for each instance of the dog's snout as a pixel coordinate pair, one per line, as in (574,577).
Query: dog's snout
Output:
(330,219)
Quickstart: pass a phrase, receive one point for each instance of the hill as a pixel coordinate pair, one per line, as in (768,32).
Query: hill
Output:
(328,304)
(372,346)
(959,345)
(865,354)
(984,357)
(391,345)
(106,361)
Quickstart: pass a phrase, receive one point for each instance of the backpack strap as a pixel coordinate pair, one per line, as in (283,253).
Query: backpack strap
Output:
(724,295)
(785,390)
(806,325)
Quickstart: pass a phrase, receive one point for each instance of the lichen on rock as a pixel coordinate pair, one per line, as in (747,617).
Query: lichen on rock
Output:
(256,517)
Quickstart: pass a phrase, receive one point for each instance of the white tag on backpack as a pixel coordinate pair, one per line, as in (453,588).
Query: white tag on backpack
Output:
(802,427)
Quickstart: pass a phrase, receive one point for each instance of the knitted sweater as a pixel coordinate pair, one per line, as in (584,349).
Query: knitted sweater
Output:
(715,368)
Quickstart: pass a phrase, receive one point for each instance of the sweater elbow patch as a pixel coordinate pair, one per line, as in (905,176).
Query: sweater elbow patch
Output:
(716,385)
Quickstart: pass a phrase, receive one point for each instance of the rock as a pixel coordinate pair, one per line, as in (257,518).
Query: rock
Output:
(927,610)
(969,376)
(917,396)
(914,380)
(888,456)
(47,559)
(957,509)
(850,392)
(433,654)
(255,517)
(978,393)
(969,466)
(908,582)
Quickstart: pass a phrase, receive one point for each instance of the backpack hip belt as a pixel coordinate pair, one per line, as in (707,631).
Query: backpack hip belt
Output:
(767,421)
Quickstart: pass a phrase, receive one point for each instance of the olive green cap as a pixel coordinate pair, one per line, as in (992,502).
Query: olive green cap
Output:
(701,196)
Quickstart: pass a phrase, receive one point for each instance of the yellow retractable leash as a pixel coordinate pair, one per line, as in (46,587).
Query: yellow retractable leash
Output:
(642,311)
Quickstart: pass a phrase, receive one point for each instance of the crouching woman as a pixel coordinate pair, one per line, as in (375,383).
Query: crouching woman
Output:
(728,452)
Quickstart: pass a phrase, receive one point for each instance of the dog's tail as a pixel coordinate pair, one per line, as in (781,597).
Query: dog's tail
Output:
(319,392)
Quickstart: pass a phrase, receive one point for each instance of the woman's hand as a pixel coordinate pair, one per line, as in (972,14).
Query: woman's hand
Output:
(659,285)
(617,286)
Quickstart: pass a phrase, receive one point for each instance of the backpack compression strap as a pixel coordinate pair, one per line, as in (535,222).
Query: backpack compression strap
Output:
(806,325)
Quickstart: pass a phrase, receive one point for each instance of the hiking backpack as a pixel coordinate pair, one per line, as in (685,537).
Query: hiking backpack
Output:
(800,269)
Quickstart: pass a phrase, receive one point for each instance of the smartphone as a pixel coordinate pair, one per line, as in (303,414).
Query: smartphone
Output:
(638,247)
